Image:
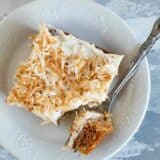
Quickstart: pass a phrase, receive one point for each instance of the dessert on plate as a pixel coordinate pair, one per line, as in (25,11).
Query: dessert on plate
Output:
(61,74)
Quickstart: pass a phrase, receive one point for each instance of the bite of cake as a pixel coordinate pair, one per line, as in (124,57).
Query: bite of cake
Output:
(88,130)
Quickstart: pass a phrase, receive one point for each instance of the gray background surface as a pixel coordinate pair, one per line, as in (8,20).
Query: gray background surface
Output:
(140,15)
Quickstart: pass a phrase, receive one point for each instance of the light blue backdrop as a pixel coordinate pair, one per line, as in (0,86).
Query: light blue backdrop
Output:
(140,15)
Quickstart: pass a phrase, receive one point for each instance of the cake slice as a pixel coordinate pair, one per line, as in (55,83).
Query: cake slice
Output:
(87,131)
(61,74)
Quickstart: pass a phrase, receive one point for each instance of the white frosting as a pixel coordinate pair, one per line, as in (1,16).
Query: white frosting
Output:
(47,116)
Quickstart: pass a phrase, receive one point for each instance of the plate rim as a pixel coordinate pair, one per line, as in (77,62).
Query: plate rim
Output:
(148,84)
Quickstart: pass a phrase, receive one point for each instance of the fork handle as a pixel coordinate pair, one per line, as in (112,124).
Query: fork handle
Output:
(144,50)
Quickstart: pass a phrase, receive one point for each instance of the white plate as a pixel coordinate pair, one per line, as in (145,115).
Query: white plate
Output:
(20,131)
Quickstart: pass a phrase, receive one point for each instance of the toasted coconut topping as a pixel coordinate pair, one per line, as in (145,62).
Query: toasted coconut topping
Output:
(51,80)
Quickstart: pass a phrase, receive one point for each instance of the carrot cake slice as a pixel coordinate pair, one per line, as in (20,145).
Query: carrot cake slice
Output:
(61,74)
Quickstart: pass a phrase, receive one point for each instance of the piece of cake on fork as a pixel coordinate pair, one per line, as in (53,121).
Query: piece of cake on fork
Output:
(88,130)
(61,74)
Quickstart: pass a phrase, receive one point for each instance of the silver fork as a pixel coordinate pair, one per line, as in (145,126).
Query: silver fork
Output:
(144,50)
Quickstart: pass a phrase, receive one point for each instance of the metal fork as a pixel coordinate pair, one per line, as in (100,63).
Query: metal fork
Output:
(144,50)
